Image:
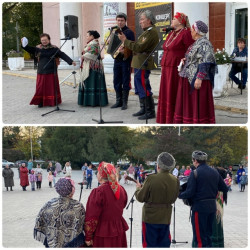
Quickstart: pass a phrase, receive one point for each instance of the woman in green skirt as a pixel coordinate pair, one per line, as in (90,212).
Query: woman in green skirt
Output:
(92,89)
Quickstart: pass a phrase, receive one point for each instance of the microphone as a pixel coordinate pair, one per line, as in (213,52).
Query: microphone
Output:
(66,38)
(167,29)
(114,27)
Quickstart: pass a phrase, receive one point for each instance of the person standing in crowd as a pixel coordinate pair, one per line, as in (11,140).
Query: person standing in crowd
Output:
(182,170)
(30,165)
(45,94)
(67,170)
(84,169)
(39,176)
(175,46)
(230,171)
(136,172)
(32,179)
(52,169)
(8,176)
(64,229)
(131,171)
(228,182)
(239,51)
(187,171)
(176,171)
(243,181)
(104,210)
(122,65)
(145,44)
(239,174)
(89,174)
(92,74)
(158,193)
(50,178)
(202,188)
(58,168)
(194,102)
(24,179)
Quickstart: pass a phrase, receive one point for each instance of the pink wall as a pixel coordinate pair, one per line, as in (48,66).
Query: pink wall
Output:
(51,21)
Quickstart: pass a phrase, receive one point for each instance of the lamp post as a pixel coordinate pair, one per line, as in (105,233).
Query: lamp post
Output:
(31,149)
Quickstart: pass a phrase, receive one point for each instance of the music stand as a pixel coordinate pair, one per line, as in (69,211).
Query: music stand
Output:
(131,218)
(144,63)
(81,190)
(101,121)
(73,72)
(55,87)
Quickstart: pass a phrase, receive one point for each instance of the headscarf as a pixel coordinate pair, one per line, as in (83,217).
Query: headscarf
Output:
(107,170)
(65,187)
(200,27)
(183,19)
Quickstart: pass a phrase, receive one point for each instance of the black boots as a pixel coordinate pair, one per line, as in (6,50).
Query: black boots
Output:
(118,100)
(11,189)
(7,189)
(125,94)
(150,110)
(142,106)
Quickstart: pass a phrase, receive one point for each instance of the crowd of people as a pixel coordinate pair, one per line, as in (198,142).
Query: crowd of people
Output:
(188,68)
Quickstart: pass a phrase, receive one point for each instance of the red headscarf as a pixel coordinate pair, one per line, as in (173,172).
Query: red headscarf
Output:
(107,170)
(183,19)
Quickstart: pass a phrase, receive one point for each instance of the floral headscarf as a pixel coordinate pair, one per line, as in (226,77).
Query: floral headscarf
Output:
(107,170)
(65,187)
(183,19)
(200,27)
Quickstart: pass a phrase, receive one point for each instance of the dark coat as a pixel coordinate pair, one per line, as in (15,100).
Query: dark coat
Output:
(8,175)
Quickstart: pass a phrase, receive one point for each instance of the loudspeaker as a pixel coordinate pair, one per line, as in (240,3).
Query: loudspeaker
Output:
(71,27)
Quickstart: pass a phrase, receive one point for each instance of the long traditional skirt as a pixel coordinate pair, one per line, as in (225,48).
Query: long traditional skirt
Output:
(89,96)
(45,90)
(196,106)
(167,95)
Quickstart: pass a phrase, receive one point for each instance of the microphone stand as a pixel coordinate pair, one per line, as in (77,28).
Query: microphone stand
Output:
(144,64)
(101,121)
(81,191)
(173,240)
(131,218)
(55,78)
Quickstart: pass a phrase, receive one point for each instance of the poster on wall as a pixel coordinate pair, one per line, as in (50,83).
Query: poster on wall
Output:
(163,15)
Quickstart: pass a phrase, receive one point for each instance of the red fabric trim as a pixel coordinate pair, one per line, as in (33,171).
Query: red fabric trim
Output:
(197,229)
(144,243)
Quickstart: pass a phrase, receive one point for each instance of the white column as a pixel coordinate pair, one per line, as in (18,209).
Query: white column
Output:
(75,9)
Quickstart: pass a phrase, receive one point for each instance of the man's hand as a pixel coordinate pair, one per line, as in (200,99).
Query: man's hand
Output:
(138,184)
(122,37)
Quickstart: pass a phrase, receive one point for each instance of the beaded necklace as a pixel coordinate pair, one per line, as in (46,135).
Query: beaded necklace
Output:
(169,41)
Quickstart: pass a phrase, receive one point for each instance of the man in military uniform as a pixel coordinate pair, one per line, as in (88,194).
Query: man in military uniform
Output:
(122,66)
(145,44)
(202,188)
(158,193)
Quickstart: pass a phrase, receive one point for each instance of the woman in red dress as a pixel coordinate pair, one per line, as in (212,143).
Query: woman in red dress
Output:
(104,224)
(174,48)
(194,103)
(24,180)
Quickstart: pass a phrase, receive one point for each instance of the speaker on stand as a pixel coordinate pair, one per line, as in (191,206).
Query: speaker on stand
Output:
(70,32)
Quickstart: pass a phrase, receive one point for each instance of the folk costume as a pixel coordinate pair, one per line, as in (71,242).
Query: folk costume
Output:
(145,44)
(158,193)
(45,82)
(192,105)
(8,176)
(175,46)
(24,180)
(92,77)
(104,223)
(60,222)
(122,72)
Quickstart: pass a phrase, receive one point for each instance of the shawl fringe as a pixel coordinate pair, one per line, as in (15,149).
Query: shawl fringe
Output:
(39,236)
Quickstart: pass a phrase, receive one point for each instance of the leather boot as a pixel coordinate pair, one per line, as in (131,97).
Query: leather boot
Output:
(118,100)
(125,94)
(150,113)
(7,189)
(142,106)
(11,189)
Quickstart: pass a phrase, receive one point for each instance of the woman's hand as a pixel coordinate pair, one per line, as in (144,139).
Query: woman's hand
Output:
(89,243)
(197,83)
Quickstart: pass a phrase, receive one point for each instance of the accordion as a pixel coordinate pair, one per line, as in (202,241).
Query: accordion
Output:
(114,44)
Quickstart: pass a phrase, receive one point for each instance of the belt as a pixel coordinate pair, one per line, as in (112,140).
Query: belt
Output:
(151,204)
(143,53)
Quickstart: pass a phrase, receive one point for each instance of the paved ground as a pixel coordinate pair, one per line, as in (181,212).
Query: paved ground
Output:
(19,210)
(19,88)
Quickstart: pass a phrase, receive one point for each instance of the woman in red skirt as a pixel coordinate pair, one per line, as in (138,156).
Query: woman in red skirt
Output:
(47,84)
(177,43)
(194,103)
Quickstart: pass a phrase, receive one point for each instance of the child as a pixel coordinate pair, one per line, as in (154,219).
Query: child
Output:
(32,178)
(141,175)
(50,178)
(243,181)
(39,176)
(228,182)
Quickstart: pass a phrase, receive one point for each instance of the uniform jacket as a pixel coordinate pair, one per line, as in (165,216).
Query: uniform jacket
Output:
(203,189)
(158,193)
(145,44)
